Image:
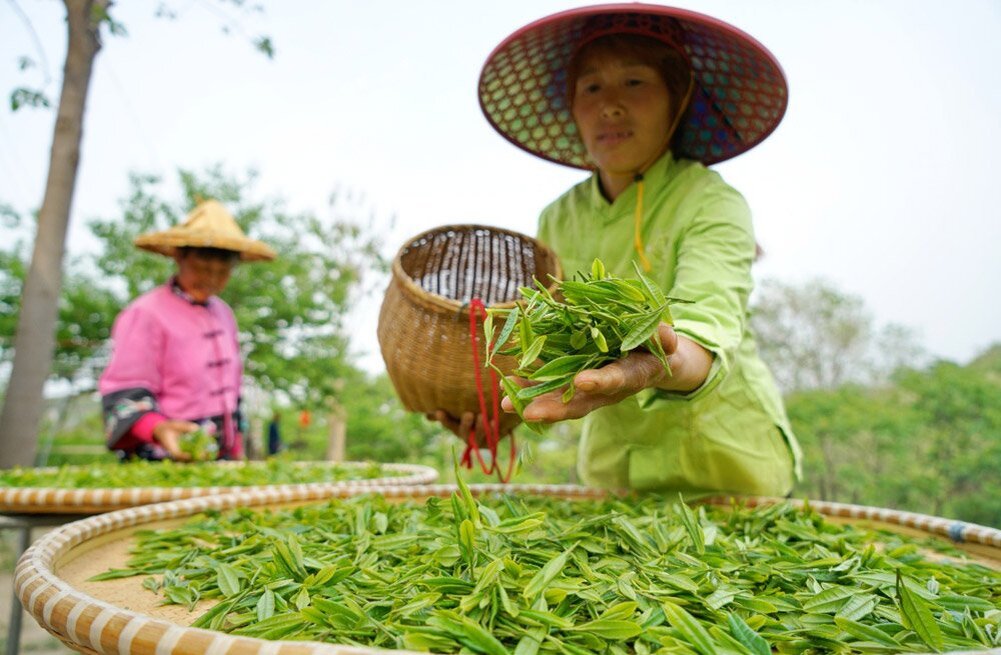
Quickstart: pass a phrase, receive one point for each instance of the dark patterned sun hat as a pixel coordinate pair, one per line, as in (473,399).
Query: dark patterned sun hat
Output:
(738,97)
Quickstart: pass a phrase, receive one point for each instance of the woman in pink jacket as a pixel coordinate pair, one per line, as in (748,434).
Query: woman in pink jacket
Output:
(175,363)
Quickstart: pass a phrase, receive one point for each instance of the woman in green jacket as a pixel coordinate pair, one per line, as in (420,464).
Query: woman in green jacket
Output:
(646,97)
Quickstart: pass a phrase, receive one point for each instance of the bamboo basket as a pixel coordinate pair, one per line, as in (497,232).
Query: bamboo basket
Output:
(424,321)
(56,500)
(104,617)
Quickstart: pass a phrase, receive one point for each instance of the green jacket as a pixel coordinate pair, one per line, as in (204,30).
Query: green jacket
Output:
(731,434)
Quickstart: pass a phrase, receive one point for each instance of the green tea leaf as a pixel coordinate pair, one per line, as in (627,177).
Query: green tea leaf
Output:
(830,600)
(228,580)
(690,628)
(506,331)
(865,632)
(959,603)
(619,611)
(467,542)
(469,632)
(641,330)
(918,616)
(692,526)
(561,367)
(532,352)
(743,633)
(545,575)
(599,339)
(265,608)
(858,606)
(536,390)
(610,628)
(597,269)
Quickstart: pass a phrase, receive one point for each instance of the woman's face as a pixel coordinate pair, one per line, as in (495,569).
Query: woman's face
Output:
(622,109)
(202,277)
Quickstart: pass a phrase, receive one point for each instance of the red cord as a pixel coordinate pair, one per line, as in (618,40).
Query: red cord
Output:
(491,424)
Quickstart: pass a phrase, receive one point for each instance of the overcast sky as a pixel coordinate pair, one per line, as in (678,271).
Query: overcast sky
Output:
(882,178)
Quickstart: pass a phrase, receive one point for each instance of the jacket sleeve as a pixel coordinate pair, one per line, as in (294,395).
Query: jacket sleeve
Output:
(130,384)
(124,412)
(714,257)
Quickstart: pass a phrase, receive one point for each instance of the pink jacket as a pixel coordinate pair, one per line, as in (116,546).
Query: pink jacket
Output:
(184,354)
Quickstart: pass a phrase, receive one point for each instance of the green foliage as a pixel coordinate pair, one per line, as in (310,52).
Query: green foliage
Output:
(929,441)
(25,97)
(265,46)
(379,429)
(877,425)
(82,327)
(12,272)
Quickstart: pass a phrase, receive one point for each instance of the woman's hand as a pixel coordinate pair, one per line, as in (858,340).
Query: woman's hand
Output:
(168,434)
(614,382)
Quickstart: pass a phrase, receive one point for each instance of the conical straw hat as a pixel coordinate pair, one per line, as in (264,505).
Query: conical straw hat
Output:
(208,225)
(739,96)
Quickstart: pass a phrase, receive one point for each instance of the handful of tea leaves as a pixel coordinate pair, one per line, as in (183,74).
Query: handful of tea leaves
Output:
(201,445)
(600,319)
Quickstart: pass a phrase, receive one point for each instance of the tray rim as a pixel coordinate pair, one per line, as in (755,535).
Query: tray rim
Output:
(93,500)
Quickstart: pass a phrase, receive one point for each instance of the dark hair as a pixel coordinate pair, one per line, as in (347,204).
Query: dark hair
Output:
(216,254)
(672,65)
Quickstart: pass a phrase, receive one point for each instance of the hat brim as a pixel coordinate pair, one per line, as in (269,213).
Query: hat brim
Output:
(740,92)
(168,241)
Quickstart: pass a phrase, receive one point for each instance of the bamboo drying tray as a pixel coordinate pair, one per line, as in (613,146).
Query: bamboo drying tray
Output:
(55,500)
(118,616)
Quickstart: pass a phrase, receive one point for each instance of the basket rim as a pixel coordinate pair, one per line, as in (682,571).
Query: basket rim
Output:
(41,591)
(454,306)
(67,500)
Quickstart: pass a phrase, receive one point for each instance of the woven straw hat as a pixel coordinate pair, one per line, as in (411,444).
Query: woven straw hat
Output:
(738,99)
(208,225)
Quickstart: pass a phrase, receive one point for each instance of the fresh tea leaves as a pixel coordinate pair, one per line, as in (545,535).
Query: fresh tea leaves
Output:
(536,575)
(597,319)
(199,445)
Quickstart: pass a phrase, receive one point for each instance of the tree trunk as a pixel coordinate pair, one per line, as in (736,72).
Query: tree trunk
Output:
(34,342)
(337,436)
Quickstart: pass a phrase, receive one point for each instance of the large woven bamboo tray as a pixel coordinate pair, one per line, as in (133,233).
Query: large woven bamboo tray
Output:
(118,616)
(54,500)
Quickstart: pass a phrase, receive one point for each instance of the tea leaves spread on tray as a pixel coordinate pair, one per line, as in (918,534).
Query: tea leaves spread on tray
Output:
(528,575)
(600,319)
(141,473)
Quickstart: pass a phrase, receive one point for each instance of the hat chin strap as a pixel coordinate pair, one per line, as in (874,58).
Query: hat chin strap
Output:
(638,214)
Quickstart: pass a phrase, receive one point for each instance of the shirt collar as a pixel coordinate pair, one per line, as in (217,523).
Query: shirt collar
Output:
(181,293)
(654,178)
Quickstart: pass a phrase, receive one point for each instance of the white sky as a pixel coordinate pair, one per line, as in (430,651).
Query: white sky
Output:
(879,179)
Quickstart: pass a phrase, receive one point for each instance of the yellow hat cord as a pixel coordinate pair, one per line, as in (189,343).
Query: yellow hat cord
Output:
(638,222)
(638,215)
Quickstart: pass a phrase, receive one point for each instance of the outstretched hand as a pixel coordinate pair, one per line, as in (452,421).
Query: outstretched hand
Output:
(614,382)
